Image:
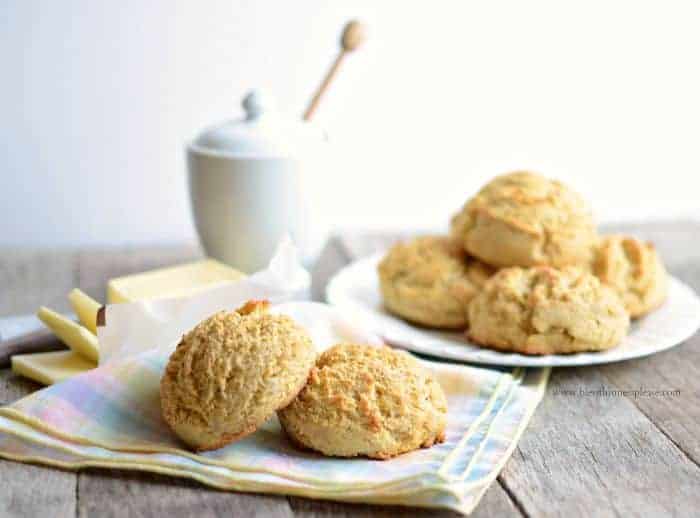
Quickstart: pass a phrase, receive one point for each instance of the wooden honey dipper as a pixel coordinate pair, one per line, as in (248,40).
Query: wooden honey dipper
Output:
(353,36)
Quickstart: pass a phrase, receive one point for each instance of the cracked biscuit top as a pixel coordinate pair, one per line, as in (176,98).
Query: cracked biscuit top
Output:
(634,270)
(542,310)
(430,280)
(367,401)
(231,372)
(525,219)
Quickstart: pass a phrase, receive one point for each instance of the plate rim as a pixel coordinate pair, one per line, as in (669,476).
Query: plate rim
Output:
(492,357)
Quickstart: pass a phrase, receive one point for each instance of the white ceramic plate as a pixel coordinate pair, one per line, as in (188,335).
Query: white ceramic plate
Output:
(355,290)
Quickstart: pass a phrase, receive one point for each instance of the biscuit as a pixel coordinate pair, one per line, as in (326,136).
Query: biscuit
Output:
(430,281)
(542,310)
(634,270)
(524,219)
(231,372)
(367,401)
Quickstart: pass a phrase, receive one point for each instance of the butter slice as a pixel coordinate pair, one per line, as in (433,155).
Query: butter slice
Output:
(52,367)
(73,335)
(175,281)
(86,308)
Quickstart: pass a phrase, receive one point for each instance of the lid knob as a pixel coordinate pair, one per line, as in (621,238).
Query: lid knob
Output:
(256,103)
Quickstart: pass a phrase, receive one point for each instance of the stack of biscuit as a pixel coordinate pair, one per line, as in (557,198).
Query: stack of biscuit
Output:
(524,270)
(235,370)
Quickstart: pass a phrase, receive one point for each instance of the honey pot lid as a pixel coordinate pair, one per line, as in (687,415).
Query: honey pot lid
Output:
(262,133)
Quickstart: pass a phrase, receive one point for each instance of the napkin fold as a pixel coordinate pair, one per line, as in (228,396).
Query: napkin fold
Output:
(110,416)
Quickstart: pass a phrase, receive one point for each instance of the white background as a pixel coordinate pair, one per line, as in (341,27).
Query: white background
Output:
(98,98)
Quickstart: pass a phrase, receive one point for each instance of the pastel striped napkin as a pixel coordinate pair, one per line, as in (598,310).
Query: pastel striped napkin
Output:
(110,417)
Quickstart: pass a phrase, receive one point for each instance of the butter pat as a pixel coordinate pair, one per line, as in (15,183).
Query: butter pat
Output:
(52,367)
(86,308)
(175,281)
(75,336)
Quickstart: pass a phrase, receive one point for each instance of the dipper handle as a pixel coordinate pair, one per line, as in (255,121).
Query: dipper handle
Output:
(353,36)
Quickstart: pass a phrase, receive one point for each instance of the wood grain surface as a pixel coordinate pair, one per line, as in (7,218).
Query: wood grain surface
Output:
(616,455)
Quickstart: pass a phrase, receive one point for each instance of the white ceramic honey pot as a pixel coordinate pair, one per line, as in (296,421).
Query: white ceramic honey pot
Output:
(246,184)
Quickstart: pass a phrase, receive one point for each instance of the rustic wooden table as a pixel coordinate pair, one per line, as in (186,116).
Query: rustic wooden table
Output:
(580,456)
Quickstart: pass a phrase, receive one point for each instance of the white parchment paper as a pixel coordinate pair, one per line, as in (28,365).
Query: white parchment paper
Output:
(139,327)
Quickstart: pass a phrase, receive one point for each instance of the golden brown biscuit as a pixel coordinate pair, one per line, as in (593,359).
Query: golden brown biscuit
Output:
(634,270)
(524,219)
(231,372)
(367,401)
(430,281)
(542,310)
